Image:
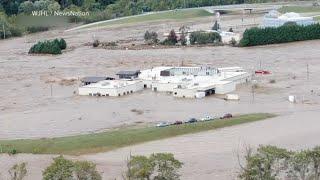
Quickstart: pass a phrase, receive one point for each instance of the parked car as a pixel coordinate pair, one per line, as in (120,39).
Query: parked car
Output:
(262,72)
(177,123)
(226,116)
(191,120)
(162,124)
(207,118)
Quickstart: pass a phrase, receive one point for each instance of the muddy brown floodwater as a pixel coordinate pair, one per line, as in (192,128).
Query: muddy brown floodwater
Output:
(34,103)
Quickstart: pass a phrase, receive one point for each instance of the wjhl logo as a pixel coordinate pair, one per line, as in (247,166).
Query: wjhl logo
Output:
(41,13)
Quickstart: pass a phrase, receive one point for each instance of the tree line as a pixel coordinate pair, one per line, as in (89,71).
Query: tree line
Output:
(158,166)
(271,163)
(273,35)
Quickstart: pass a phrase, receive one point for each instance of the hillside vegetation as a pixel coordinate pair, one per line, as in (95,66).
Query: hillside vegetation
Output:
(98,9)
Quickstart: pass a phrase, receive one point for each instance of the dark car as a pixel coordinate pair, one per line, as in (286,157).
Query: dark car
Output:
(226,116)
(191,120)
(177,123)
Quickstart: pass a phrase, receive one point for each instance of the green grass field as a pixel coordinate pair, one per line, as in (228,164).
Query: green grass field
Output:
(299,9)
(110,140)
(168,15)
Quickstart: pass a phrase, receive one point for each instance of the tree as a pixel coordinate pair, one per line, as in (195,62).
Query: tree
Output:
(184,31)
(140,167)
(233,42)
(151,37)
(60,169)
(216,26)
(166,166)
(315,160)
(160,166)
(62,44)
(53,7)
(266,163)
(299,165)
(172,39)
(26,7)
(200,37)
(85,170)
(18,171)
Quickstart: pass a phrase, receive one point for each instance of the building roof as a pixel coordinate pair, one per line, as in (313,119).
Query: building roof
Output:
(93,79)
(135,72)
(111,84)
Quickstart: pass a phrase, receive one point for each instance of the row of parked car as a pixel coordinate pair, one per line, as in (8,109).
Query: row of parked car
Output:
(194,120)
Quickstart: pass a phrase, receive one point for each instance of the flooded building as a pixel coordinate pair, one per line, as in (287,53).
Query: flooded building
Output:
(111,88)
(194,82)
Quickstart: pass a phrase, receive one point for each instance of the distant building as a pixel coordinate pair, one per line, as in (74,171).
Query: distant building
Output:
(276,19)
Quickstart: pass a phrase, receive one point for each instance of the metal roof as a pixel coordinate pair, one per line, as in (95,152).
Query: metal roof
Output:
(93,79)
(128,72)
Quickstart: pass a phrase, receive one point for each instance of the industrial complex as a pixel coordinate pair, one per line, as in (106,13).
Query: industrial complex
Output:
(185,82)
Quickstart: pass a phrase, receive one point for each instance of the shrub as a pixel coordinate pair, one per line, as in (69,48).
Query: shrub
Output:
(287,33)
(61,168)
(233,42)
(96,43)
(151,37)
(272,81)
(13,151)
(171,40)
(62,44)
(18,171)
(200,37)
(34,29)
(48,47)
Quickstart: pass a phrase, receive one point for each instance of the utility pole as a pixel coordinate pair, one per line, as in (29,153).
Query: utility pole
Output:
(51,89)
(4,31)
(307,70)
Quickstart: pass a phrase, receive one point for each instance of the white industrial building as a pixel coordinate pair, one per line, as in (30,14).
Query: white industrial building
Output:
(276,19)
(193,82)
(186,82)
(111,88)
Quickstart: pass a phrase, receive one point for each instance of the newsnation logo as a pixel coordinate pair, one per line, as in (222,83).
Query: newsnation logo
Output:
(59,13)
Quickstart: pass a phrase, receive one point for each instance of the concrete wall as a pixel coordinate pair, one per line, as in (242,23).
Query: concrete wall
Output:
(85,90)
(184,93)
(225,88)
(240,79)
(164,87)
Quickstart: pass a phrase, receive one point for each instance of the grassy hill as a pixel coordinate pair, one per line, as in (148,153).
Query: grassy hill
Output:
(158,16)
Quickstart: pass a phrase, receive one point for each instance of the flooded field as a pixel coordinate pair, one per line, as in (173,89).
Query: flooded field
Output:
(39,99)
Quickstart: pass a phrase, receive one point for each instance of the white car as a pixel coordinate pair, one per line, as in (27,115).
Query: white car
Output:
(162,124)
(207,118)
